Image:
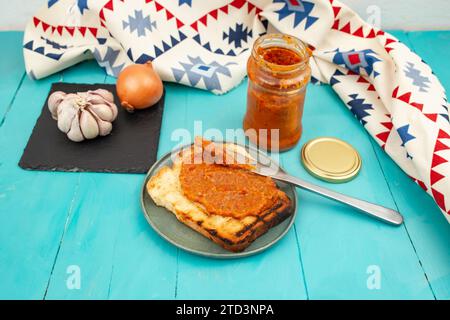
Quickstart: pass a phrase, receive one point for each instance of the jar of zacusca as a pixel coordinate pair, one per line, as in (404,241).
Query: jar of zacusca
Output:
(278,72)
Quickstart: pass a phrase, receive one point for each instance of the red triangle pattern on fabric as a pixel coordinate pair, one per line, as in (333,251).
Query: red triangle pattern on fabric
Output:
(158,6)
(383,136)
(346,28)
(71,30)
(361,79)
(443,135)
(439,198)
(388,41)
(336,11)
(109,5)
(238,3)
(435,177)
(437,160)
(395,92)
(169,15)
(387,125)
(359,32)
(250,7)
(204,20)
(82,30)
(214,14)
(422,185)
(335,24)
(405,97)
(417,105)
(431,116)
(440,146)
(179,24)
(45,26)
(36,21)
(371,34)
(93,31)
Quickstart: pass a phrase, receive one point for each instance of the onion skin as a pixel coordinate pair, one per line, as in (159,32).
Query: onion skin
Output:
(139,87)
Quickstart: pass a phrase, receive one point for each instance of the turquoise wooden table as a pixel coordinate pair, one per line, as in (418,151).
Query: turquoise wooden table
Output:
(52,221)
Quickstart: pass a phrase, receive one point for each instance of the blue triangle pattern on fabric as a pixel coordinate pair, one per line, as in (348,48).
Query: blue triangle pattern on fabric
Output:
(144,58)
(40,50)
(333,81)
(165,46)
(174,41)
(28,45)
(181,35)
(178,74)
(207,46)
(50,3)
(158,51)
(130,54)
(54,56)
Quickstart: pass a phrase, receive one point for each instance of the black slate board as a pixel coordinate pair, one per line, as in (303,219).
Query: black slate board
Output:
(130,148)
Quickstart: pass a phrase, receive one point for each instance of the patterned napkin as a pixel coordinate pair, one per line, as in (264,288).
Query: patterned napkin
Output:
(206,44)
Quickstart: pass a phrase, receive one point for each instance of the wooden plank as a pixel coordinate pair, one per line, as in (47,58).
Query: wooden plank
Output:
(276,273)
(34,205)
(338,245)
(37,217)
(12,68)
(118,254)
(427,228)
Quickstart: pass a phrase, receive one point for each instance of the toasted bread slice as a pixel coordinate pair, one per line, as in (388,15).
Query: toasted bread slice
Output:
(230,233)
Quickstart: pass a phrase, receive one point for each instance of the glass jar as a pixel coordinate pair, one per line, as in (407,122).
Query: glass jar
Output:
(278,72)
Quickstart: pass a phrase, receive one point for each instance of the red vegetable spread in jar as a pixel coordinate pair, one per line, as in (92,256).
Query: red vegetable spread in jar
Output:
(278,72)
(279,56)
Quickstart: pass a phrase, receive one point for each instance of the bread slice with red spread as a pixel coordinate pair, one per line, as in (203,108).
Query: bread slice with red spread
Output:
(232,232)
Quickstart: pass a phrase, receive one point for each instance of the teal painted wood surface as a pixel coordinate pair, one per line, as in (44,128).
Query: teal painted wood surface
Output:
(51,221)
(14,72)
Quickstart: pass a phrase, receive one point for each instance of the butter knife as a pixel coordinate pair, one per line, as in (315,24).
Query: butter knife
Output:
(379,212)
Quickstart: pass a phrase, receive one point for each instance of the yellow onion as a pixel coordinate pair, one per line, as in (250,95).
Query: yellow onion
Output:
(139,87)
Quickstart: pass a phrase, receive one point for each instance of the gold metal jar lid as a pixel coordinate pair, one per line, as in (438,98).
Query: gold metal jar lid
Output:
(331,159)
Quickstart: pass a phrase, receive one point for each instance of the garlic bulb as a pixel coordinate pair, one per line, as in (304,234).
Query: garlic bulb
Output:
(84,115)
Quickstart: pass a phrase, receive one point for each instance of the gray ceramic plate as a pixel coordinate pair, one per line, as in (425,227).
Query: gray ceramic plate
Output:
(167,226)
